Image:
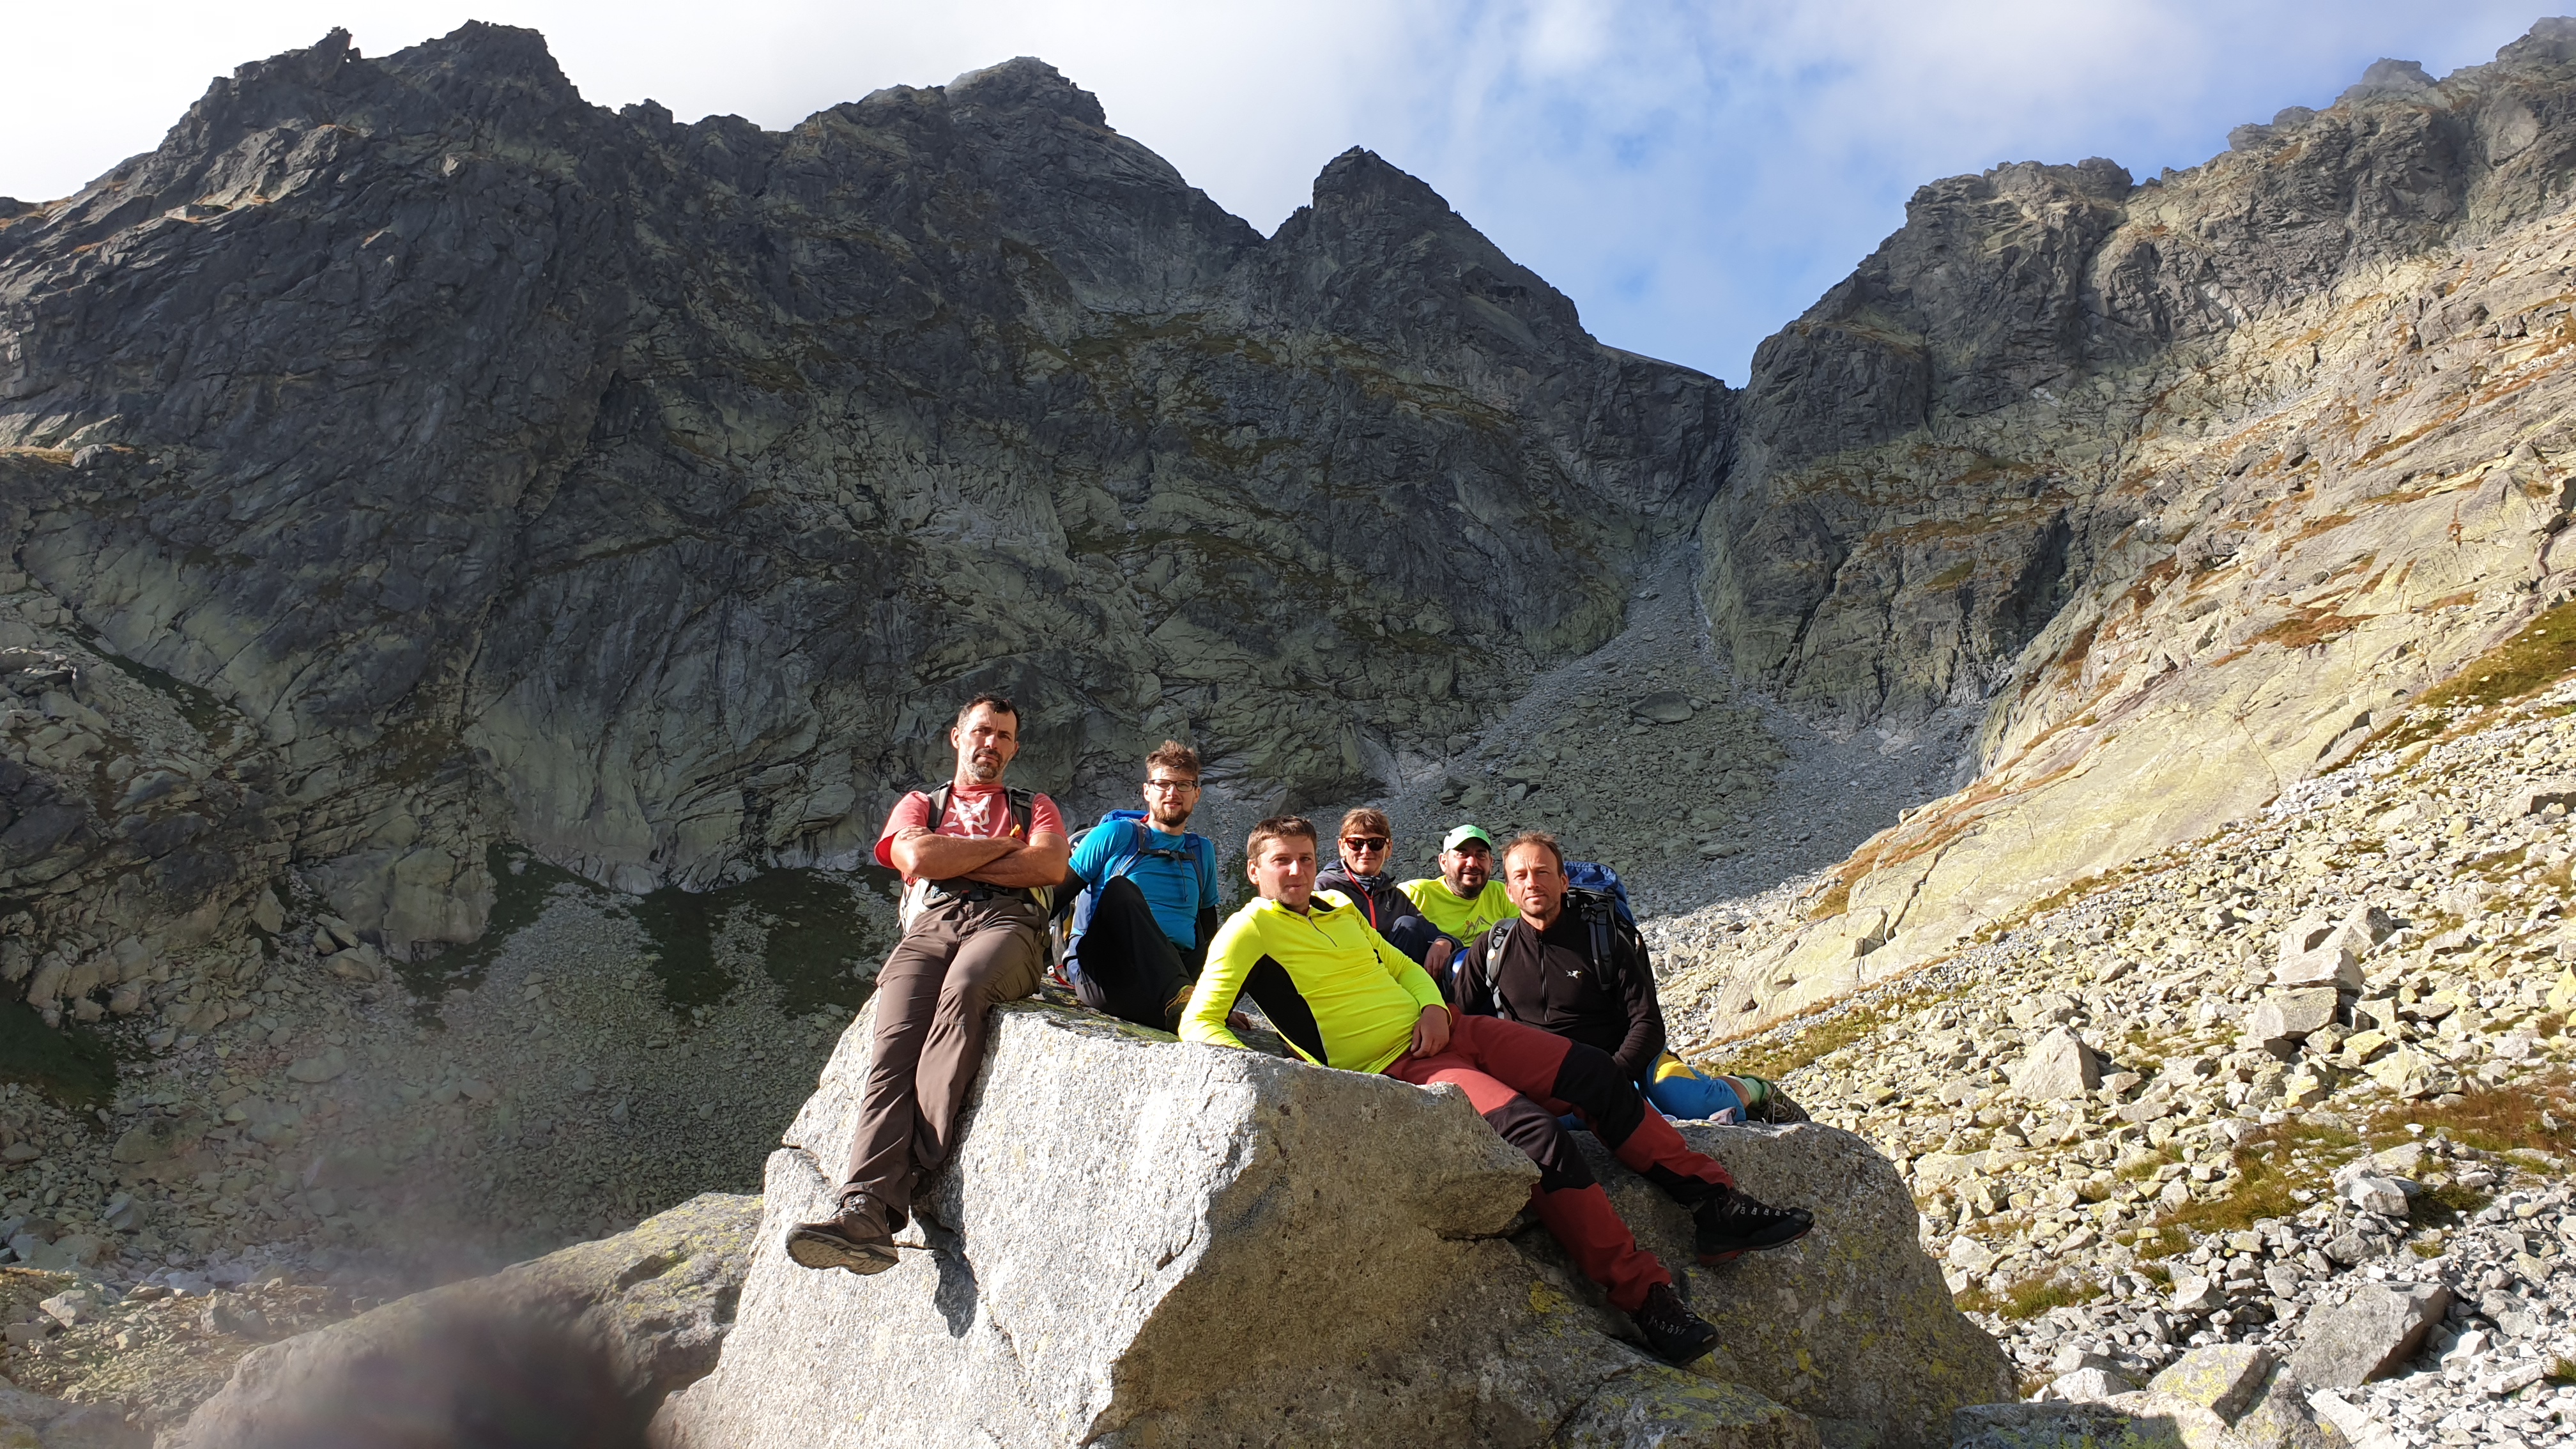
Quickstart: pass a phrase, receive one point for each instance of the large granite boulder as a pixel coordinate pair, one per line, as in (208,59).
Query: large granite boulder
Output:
(579,1345)
(1143,1241)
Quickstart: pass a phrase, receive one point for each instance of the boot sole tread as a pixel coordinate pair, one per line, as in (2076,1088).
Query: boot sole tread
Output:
(809,1249)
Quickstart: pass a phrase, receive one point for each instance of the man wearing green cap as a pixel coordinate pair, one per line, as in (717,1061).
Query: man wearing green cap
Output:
(1464,899)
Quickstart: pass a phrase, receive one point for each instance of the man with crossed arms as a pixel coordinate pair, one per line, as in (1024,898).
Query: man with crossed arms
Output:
(980,862)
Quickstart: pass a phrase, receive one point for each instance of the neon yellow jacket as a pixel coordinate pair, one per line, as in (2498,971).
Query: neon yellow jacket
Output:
(1352,1002)
(1458,917)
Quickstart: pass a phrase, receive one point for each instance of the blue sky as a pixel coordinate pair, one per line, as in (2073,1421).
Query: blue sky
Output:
(1692,174)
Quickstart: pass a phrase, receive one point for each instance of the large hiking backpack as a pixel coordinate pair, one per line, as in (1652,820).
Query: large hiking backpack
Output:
(1592,875)
(1595,894)
(922,894)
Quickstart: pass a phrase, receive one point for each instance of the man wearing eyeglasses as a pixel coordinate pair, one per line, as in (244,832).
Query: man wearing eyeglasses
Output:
(1149,899)
(1368,842)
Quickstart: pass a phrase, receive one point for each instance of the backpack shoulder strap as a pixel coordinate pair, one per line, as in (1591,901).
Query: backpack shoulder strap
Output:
(1135,847)
(1604,925)
(1500,932)
(1023,809)
(1202,860)
(939,796)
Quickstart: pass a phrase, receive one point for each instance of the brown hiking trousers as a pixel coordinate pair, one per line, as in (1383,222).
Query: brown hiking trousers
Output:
(935,1000)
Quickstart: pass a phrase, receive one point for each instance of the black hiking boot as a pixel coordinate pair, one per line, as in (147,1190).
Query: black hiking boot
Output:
(1673,1332)
(854,1238)
(1731,1224)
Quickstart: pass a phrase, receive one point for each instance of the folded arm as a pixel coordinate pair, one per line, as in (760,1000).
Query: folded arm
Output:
(922,855)
(1039,862)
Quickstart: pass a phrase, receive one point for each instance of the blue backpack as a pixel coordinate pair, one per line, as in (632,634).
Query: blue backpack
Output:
(1197,849)
(1593,876)
(1073,910)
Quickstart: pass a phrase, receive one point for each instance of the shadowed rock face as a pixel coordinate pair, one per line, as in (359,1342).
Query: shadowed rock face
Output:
(652,492)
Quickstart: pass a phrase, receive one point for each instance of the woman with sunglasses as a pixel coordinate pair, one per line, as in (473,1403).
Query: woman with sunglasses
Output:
(1360,877)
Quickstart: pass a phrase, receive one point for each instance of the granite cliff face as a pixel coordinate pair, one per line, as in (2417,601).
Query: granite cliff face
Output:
(2176,490)
(648,493)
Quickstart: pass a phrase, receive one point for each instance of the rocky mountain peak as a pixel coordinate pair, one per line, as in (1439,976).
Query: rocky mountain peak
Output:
(1027,83)
(1373,225)
(2550,41)
(1360,179)
(2388,78)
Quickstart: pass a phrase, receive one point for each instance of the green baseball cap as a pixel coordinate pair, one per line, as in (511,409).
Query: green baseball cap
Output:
(1463,834)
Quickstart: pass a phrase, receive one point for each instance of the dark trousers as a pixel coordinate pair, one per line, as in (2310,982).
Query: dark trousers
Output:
(1123,964)
(934,1004)
(1413,936)
(1522,1080)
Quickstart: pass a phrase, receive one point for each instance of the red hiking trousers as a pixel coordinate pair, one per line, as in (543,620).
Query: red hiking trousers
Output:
(1522,1080)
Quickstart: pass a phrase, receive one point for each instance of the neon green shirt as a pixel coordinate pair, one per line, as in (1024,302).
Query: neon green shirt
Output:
(1458,917)
(1361,997)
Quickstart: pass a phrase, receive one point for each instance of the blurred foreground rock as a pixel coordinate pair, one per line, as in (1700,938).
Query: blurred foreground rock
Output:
(579,1344)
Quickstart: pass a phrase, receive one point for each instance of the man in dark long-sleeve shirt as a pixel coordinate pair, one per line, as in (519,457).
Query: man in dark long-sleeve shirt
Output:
(1552,969)
(1545,977)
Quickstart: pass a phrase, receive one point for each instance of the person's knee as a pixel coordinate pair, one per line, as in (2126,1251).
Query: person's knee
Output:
(983,978)
(1413,936)
(1528,1126)
(1590,1079)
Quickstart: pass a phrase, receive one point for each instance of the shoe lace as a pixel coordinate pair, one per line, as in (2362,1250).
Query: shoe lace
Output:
(1745,1209)
(1663,1312)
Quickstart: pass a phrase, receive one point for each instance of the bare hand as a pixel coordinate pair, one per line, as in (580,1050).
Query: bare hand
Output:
(1431,1033)
(1436,959)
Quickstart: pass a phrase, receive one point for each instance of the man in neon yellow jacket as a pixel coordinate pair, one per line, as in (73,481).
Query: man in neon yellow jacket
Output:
(1343,997)
(1464,898)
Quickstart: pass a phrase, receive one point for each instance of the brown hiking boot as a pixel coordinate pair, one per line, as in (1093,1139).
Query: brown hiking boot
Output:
(854,1238)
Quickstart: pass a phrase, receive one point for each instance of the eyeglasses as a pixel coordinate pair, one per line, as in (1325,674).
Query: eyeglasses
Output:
(1357,843)
(1171,785)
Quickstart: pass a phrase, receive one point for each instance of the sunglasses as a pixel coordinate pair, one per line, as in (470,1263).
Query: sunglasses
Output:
(1363,842)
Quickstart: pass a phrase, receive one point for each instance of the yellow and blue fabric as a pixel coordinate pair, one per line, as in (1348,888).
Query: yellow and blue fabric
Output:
(1680,1090)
